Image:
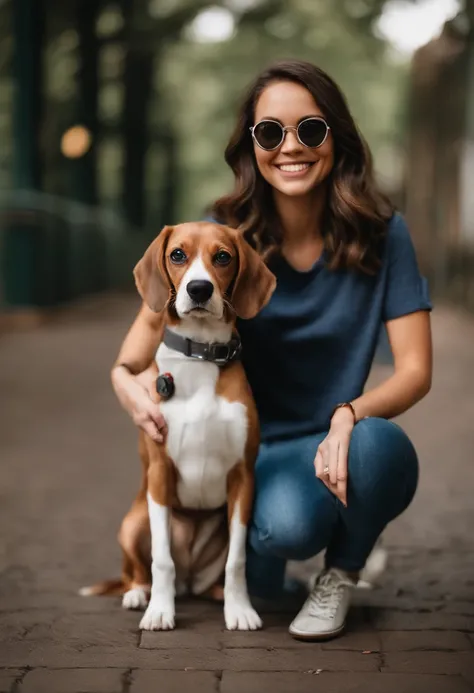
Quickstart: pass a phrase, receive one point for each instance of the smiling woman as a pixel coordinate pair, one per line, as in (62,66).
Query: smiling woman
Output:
(282,161)
(306,198)
(303,136)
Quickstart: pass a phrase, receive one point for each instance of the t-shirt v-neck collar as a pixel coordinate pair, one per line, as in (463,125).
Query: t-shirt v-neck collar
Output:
(292,271)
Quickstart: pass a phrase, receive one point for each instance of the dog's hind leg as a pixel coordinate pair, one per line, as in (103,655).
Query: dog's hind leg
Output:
(134,538)
(209,555)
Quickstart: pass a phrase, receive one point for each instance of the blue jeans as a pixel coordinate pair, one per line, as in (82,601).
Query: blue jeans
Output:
(295,516)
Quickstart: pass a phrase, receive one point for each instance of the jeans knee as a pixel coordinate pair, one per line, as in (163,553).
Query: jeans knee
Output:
(293,532)
(294,541)
(376,437)
(381,454)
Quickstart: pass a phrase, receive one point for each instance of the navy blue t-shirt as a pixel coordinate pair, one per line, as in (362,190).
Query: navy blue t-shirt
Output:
(313,345)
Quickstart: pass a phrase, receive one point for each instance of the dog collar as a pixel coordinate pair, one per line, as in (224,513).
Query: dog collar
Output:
(219,353)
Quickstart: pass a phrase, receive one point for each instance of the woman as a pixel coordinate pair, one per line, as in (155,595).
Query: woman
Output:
(332,470)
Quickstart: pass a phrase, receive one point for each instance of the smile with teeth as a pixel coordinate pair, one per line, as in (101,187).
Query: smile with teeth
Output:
(294,168)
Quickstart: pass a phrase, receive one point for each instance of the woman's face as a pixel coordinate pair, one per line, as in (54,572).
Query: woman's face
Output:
(292,169)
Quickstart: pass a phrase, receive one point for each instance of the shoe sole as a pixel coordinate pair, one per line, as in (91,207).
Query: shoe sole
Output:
(315,637)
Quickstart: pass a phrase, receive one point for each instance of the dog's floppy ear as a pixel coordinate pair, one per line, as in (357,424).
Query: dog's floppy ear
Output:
(150,273)
(254,284)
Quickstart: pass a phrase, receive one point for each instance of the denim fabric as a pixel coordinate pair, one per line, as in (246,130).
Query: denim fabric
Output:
(295,516)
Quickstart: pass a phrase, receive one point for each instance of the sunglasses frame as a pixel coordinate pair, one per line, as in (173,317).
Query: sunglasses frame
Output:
(284,130)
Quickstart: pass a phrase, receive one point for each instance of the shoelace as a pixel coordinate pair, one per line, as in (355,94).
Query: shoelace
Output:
(327,594)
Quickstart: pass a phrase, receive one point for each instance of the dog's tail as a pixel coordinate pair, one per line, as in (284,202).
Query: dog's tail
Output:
(111,588)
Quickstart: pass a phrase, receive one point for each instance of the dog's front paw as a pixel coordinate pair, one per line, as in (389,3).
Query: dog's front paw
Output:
(135,598)
(158,617)
(241,616)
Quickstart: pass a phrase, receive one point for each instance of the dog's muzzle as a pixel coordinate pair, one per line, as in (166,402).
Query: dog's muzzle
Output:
(200,290)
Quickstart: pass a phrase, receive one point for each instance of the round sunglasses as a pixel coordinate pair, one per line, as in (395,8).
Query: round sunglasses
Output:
(311,132)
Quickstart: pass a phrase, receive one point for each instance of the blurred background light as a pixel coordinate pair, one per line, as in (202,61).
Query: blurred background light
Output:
(212,25)
(408,26)
(76,142)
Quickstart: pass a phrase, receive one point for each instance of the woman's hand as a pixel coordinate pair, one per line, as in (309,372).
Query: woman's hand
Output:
(134,393)
(331,461)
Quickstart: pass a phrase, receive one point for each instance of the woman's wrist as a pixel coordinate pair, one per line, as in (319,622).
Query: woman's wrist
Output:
(344,414)
(120,377)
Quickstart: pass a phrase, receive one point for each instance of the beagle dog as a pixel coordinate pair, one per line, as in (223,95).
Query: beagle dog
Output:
(186,530)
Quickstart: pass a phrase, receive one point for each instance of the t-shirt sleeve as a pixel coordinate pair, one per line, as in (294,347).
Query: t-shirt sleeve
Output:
(406,289)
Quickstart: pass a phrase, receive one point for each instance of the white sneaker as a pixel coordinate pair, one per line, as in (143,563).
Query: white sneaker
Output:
(323,614)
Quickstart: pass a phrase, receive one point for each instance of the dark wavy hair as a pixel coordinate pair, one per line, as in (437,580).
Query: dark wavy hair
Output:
(356,213)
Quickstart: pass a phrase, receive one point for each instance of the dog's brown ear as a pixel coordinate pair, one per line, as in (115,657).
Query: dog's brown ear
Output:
(151,277)
(254,284)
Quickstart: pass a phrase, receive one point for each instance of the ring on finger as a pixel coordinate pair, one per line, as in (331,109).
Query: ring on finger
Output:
(326,470)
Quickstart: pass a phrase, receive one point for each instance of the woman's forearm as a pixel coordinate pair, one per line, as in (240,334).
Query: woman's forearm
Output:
(395,395)
(135,356)
(410,341)
(141,342)
(123,383)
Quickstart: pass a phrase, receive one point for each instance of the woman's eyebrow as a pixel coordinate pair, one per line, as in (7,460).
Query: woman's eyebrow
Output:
(276,120)
(300,120)
(311,115)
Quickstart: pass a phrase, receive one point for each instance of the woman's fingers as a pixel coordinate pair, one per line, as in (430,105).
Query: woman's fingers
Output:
(331,466)
(149,418)
(342,472)
(157,417)
(151,429)
(332,461)
(320,463)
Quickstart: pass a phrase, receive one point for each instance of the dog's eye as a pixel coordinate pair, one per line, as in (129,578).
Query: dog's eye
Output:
(178,256)
(222,258)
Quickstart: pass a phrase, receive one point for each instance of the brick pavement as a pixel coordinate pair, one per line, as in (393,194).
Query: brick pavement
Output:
(69,470)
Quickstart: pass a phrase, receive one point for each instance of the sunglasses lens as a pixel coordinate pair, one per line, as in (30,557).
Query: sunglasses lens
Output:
(268,134)
(312,132)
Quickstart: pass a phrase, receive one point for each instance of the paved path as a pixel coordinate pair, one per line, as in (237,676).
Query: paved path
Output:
(68,471)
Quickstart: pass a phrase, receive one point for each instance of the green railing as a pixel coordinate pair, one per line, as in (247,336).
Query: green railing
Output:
(53,250)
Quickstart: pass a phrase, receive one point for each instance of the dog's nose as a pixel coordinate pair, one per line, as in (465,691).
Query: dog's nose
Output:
(200,290)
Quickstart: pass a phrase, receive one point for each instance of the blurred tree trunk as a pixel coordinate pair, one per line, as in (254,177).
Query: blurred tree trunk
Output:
(85,168)
(21,238)
(437,135)
(85,249)
(28,28)
(144,40)
(138,76)
(138,81)
(171,177)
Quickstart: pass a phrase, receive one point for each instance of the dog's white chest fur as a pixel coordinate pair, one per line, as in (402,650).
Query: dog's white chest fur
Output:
(206,433)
